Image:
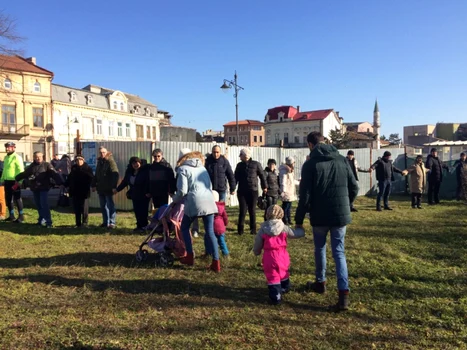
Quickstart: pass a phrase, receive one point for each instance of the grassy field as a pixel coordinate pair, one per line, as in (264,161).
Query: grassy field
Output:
(66,288)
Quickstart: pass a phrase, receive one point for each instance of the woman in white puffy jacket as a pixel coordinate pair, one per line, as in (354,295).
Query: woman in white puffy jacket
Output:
(287,187)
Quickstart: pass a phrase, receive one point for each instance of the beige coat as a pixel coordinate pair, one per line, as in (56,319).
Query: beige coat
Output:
(417,182)
(287,183)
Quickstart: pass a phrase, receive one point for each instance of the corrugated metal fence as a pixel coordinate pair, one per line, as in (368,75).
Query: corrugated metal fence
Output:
(123,151)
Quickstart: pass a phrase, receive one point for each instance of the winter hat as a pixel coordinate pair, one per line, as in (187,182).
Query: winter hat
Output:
(433,150)
(289,160)
(246,152)
(215,194)
(387,154)
(274,212)
(350,153)
(271,161)
(79,156)
(183,151)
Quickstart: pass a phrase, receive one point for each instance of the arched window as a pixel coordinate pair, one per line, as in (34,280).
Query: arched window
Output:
(37,87)
(7,83)
(115,105)
(122,106)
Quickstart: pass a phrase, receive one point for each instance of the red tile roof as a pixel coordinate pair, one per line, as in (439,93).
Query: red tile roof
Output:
(291,113)
(20,64)
(245,122)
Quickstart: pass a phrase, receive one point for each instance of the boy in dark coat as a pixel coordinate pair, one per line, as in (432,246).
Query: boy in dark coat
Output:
(273,183)
(435,176)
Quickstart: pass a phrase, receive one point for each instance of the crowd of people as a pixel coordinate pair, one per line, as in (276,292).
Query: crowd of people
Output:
(327,191)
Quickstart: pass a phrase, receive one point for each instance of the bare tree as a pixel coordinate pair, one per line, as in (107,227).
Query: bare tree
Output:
(9,38)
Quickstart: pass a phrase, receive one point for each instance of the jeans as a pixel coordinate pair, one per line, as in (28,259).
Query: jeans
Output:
(222,196)
(109,213)
(81,210)
(208,221)
(286,206)
(433,191)
(220,241)
(40,200)
(338,253)
(384,189)
(247,201)
(140,207)
(270,201)
(416,199)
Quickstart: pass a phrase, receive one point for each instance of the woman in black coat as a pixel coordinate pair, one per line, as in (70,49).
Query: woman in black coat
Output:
(79,188)
(137,179)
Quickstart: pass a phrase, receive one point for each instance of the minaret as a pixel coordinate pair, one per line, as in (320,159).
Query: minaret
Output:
(377,125)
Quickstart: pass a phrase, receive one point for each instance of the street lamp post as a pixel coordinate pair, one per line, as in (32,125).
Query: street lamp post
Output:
(75,121)
(228,84)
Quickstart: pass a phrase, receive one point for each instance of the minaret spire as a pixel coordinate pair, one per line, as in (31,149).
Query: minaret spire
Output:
(377,124)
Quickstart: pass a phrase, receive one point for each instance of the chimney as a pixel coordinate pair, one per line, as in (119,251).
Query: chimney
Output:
(337,113)
(298,109)
(32,60)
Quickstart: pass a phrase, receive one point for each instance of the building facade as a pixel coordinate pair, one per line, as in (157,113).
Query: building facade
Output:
(98,114)
(287,126)
(25,101)
(418,135)
(360,127)
(251,133)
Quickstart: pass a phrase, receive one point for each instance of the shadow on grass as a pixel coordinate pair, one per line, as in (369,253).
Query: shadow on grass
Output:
(175,287)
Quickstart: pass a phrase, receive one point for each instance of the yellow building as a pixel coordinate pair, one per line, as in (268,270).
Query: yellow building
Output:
(25,99)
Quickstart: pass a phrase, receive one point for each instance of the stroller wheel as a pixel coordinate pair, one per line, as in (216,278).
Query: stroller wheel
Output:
(164,260)
(142,255)
(157,261)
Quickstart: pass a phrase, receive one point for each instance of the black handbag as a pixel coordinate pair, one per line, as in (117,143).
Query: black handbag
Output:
(63,199)
(262,202)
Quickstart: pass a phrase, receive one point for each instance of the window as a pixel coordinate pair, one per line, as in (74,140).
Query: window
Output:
(115,105)
(260,138)
(230,139)
(148,132)
(139,131)
(119,129)
(99,127)
(122,106)
(297,139)
(154,132)
(8,115)
(89,99)
(127,130)
(7,83)
(38,117)
(255,138)
(111,128)
(72,96)
(147,111)
(234,139)
(257,127)
(304,140)
(37,87)
(286,138)
(276,141)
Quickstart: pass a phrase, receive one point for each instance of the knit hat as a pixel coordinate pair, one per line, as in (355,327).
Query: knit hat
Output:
(350,153)
(272,161)
(274,212)
(289,160)
(79,156)
(215,194)
(433,150)
(183,151)
(246,152)
(387,154)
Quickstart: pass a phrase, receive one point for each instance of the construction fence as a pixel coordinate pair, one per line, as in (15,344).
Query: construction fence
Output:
(123,151)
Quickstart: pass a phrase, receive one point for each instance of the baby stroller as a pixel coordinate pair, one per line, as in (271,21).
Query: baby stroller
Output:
(166,221)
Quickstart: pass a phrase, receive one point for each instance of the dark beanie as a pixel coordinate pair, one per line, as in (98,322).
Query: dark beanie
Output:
(433,150)
(387,154)
(272,161)
(350,153)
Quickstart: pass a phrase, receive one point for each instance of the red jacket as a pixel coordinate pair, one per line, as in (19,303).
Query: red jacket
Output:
(220,219)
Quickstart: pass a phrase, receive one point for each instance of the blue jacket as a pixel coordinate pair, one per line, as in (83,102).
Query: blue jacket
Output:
(193,182)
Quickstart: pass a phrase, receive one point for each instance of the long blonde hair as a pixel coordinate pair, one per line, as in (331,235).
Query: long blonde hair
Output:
(191,155)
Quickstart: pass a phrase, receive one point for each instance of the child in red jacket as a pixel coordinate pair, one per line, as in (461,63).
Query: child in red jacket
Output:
(220,222)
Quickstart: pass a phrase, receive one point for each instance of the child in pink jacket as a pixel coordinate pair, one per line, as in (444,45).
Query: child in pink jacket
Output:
(221,220)
(272,238)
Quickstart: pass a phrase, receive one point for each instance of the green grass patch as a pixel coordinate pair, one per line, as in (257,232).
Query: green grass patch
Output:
(66,288)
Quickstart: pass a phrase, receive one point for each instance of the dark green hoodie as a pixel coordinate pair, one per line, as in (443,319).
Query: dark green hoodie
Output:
(327,188)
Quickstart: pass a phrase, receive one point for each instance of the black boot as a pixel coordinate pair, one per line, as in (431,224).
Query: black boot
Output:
(343,303)
(275,294)
(241,229)
(317,287)
(285,286)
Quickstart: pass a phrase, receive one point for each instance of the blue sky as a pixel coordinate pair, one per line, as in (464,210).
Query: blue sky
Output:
(411,55)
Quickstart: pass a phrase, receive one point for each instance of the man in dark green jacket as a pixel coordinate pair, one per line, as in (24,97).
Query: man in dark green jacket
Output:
(327,188)
(105,183)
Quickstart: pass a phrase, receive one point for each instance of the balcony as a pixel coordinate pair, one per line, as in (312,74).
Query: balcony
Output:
(14,129)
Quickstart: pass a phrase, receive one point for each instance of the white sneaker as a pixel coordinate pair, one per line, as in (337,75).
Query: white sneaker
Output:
(195,234)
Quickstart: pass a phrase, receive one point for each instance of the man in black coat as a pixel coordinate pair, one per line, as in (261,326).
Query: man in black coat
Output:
(161,179)
(220,172)
(459,164)
(39,174)
(385,170)
(435,176)
(246,175)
